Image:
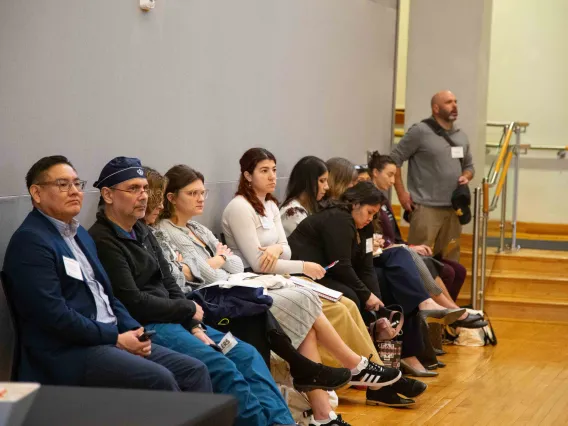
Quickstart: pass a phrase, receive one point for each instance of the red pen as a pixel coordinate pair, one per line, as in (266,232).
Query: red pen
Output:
(331,265)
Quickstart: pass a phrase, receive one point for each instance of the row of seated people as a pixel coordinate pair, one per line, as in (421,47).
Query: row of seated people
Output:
(81,304)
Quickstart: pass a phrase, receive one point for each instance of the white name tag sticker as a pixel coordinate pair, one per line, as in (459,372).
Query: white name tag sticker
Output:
(227,343)
(369,244)
(72,268)
(457,151)
(266,222)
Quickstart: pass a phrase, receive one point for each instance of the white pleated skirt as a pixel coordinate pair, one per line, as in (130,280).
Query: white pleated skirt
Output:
(296,309)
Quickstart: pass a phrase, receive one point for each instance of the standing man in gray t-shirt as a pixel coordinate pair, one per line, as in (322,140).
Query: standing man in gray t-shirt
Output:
(435,170)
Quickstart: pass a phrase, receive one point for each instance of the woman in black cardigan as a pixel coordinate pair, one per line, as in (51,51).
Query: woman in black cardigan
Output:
(343,232)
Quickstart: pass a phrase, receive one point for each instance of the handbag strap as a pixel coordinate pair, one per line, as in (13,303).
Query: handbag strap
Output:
(440,131)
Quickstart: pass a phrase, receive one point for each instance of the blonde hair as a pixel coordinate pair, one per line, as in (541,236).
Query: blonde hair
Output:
(342,174)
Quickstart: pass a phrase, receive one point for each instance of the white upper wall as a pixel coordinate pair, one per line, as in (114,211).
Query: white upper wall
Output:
(528,74)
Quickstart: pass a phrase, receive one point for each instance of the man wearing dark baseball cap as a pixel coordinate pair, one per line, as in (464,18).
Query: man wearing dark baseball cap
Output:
(141,278)
(118,170)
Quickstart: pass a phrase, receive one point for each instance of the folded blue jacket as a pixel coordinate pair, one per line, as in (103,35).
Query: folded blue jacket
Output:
(234,302)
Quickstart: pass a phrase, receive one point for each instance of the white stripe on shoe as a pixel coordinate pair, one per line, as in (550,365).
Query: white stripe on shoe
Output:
(374,384)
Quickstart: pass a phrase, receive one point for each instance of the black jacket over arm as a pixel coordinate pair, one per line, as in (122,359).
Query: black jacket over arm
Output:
(331,235)
(140,275)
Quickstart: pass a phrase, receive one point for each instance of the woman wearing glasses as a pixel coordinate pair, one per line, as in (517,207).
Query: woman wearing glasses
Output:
(297,310)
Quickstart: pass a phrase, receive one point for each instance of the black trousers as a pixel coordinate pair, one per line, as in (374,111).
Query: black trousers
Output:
(164,369)
(401,285)
(255,330)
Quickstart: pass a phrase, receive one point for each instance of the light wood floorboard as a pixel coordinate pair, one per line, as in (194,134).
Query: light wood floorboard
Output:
(521,381)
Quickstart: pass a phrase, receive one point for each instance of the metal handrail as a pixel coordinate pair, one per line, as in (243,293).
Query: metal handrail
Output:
(534,147)
(497,177)
(561,151)
(502,181)
(506,123)
(502,152)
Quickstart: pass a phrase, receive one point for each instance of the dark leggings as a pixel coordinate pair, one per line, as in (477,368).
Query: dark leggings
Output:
(253,330)
(265,333)
(453,275)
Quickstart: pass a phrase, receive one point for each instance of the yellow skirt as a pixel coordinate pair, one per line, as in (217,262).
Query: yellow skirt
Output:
(345,317)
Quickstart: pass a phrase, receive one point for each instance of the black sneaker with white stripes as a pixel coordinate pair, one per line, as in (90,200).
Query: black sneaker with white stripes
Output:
(375,375)
(338,421)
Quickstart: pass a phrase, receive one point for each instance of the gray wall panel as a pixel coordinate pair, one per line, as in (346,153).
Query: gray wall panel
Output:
(205,79)
(193,81)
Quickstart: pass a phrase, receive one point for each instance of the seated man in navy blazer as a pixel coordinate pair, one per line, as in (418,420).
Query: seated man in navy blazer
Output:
(73,330)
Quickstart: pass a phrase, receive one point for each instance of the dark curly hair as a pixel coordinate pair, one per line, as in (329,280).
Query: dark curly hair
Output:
(156,186)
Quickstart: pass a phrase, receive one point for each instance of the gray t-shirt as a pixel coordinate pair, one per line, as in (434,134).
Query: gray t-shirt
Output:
(432,172)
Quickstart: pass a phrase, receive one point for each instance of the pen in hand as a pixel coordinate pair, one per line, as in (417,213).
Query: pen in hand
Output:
(331,265)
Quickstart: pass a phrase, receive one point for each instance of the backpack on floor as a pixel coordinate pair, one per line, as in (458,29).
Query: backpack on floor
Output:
(473,336)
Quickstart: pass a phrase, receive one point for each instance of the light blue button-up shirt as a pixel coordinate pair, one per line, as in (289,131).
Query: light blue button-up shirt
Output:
(68,231)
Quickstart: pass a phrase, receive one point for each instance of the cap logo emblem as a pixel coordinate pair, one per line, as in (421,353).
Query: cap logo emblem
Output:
(140,172)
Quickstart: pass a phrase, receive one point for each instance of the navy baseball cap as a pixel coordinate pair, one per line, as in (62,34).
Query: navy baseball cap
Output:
(118,170)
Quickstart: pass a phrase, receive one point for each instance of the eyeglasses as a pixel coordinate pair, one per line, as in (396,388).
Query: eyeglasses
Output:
(134,189)
(197,193)
(64,185)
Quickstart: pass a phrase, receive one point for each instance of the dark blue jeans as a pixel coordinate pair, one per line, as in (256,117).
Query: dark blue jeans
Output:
(241,373)
(163,369)
(401,284)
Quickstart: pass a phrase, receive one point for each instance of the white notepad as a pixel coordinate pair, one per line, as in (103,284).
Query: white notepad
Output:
(320,290)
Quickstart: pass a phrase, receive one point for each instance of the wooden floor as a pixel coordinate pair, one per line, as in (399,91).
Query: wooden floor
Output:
(521,381)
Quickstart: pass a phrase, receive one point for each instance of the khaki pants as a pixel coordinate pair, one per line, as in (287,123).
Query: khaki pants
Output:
(345,317)
(438,228)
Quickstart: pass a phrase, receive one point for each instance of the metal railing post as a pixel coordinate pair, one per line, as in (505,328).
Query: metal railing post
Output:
(484,224)
(475,248)
(503,218)
(516,189)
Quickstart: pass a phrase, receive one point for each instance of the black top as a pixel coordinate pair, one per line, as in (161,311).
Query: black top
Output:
(385,223)
(331,235)
(139,273)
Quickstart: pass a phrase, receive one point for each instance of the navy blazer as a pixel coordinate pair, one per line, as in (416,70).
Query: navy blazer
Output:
(56,313)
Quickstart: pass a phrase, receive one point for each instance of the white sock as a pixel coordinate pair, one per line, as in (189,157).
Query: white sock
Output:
(361,366)
(331,416)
